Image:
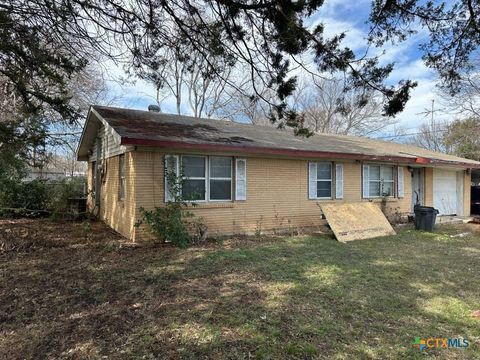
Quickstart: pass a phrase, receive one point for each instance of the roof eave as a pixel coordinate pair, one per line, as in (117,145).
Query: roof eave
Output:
(294,153)
(262,150)
(82,150)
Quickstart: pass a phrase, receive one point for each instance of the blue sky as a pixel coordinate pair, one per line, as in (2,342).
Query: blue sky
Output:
(338,16)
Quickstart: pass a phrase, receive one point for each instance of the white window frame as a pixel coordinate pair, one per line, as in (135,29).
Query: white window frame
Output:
(323,180)
(205,178)
(381,179)
(220,178)
(122,177)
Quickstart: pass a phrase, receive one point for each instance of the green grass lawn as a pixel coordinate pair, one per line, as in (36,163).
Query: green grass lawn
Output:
(272,298)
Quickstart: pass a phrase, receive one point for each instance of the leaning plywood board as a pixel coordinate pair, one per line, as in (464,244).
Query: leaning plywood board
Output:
(357,221)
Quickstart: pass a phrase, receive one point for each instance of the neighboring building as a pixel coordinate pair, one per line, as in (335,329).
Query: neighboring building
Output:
(56,168)
(45,174)
(250,177)
(51,173)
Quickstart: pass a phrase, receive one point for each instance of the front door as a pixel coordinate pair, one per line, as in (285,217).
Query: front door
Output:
(417,186)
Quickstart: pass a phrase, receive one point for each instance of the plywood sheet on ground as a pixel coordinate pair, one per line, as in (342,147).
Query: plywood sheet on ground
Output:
(355,221)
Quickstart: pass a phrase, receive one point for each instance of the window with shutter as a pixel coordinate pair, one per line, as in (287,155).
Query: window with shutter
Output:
(194,185)
(204,178)
(320,180)
(378,180)
(220,178)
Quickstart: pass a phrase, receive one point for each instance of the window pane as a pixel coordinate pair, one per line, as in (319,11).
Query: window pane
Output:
(193,166)
(324,189)
(387,172)
(220,190)
(374,189)
(374,172)
(193,190)
(220,167)
(387,189)
(324,171)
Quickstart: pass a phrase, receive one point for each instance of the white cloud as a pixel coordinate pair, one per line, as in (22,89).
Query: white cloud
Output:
(408,65)
(417,109)
(354,36)
(421,97)
(420,101)
(413,70)
(337,8)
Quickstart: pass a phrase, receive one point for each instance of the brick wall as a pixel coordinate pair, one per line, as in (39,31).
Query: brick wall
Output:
(149,191)
(90,199)
(118,214)
(428,187)
(277,196)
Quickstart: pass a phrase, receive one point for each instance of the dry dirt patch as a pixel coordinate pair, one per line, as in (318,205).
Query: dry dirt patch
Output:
(25,235)
(73,292)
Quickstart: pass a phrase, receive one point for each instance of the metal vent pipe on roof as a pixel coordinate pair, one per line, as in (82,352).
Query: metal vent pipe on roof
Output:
(154,108)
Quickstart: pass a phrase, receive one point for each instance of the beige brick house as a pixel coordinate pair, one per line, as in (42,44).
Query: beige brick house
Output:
(247,178)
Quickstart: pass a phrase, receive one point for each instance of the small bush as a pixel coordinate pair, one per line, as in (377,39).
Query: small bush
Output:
(173,223)
(60,192)
(168,224)
(22,198)
(38,197)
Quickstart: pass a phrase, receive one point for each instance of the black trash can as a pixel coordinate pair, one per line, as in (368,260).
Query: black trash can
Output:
(425,217)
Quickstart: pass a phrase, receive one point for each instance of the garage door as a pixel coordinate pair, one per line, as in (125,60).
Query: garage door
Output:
(445,191)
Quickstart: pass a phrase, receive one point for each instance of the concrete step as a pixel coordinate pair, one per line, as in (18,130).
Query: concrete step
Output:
(448,219)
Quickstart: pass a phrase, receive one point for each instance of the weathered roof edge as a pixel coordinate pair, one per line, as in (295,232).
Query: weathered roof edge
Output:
(91,110)
(412,159)
(293,152)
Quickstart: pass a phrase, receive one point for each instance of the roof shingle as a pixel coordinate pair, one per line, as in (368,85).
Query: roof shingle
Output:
(137,127)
